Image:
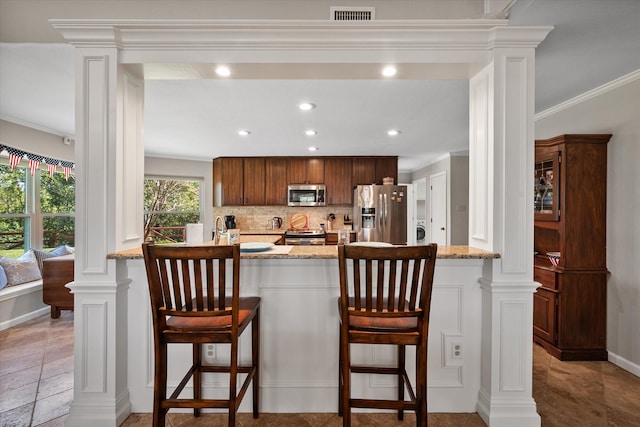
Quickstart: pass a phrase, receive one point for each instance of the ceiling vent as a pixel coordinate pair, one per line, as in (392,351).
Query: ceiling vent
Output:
(350,13)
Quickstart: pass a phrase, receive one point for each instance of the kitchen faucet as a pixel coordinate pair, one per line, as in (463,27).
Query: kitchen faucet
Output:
(216,237)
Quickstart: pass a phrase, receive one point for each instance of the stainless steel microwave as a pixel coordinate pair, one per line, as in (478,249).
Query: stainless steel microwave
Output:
(306,195)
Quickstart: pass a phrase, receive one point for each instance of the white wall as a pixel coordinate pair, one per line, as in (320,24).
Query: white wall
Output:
(35,141)
(615,109)
(459,196)
(457,168)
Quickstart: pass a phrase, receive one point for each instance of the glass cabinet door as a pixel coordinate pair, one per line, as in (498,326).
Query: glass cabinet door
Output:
(547,185)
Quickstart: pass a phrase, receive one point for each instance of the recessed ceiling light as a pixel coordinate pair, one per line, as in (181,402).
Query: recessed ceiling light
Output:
(310,132)
(223,71)
(393,132)
(306,106)
(389,71)
(313,148)
(243,132)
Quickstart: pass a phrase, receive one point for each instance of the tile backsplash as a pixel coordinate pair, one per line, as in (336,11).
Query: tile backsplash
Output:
(259,217)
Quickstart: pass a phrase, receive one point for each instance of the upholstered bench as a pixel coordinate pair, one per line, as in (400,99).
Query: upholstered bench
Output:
(56,273)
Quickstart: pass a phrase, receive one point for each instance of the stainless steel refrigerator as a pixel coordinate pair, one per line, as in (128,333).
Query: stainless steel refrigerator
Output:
(380,213)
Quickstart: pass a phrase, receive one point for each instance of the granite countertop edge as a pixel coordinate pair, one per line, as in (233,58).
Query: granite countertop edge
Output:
(328,252)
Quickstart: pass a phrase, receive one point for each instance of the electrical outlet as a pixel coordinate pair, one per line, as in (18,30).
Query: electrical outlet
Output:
(456,350)
(210,353)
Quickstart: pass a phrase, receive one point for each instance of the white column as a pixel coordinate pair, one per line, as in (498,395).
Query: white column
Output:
(501,220)
(109,171)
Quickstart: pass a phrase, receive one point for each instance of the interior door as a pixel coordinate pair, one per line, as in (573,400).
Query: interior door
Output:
(438,208)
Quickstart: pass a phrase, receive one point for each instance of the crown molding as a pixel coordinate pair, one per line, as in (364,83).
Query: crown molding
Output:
(465,41)
(586,96)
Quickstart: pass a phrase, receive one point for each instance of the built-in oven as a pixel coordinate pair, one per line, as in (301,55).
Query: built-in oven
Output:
(305,237)
(306,195)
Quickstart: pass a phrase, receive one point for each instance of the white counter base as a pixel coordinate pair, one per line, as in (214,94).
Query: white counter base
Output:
(299,339)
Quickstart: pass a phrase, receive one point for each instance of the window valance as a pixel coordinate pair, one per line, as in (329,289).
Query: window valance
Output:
(16,156)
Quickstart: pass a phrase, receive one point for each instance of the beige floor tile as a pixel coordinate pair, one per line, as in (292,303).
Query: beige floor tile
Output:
(17,397)
(52,407)
(17,417)
(567,393)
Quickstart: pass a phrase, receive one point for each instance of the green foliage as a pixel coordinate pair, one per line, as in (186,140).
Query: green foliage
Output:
(12,196)
(57,194)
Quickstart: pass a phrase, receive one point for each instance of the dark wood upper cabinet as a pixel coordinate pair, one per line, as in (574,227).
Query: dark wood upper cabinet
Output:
(238,181)
(276,180)
(570,307)
(305,170)
(386,167)
(263,180)
(254,181)
(228,181)
(363,171)
(337,172)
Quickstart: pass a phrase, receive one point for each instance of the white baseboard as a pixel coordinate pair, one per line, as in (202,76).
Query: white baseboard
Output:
(625,364)
(24,318)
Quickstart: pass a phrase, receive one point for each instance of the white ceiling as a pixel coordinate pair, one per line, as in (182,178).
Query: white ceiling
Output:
(594,42)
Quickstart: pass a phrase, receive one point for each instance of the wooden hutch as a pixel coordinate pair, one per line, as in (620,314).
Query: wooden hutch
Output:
(570,307)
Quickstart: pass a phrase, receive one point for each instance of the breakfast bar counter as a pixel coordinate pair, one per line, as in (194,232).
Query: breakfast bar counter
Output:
(299,287)
(319,251)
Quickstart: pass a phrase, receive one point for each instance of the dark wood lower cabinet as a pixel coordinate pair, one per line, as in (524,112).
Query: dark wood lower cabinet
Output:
(544,314)
(571,322)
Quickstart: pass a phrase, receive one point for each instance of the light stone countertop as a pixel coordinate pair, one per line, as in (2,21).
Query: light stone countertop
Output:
(322,252)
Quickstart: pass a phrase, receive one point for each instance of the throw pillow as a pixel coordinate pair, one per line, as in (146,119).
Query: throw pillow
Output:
(61,250)
(41,256)
(21,270)
(3,278)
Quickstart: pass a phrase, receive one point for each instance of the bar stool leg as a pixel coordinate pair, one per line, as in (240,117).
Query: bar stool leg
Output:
(255,361)
(160,386)
(197,389)
(401,370)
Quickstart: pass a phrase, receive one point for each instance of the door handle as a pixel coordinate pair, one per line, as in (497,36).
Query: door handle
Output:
(442,228)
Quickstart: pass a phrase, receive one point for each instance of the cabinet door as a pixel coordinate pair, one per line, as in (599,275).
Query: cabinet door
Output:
(296,171)
(305,170)
(315,171)
(547,186)
(387,166)
(545,315)
(338,181)
(363,171)
(254,177)
(232,181)
(276,181)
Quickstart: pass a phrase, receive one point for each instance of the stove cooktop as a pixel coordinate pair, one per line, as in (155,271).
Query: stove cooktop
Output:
(305,233)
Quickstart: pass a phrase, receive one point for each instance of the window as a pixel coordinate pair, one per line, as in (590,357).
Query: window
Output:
(28,221)
(169,204)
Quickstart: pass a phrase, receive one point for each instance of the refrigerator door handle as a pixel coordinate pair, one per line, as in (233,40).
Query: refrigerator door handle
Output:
(384,218)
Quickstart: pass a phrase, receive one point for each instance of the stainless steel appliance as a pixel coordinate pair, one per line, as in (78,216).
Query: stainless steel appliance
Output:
(380,213)
(306,195)
(305,237)
(421,232)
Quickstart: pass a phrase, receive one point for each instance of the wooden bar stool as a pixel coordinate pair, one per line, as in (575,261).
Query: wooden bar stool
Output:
(385,300)
(189,304)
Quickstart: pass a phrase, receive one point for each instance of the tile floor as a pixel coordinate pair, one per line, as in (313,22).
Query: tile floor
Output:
(36,388)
